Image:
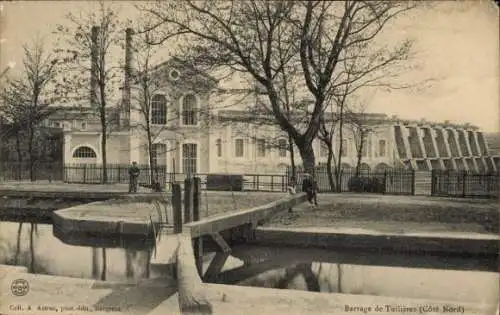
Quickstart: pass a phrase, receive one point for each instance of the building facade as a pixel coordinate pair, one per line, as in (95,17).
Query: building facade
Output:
(194,130)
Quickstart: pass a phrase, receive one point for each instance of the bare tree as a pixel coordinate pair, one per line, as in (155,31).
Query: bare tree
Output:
(359,123)
(266,39)
(27,99)
(147,85)
(91,40)
(251,37)
(338,68)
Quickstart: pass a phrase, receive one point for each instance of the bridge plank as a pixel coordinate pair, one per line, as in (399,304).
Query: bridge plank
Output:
(252,216)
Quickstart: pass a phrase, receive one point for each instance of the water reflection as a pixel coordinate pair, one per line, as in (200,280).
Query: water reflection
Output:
(35,247)
(351,278)
(464,286)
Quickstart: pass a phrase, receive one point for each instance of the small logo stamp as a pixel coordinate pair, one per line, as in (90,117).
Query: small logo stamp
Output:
(20,287)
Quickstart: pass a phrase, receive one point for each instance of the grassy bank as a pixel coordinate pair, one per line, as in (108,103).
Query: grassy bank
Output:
(379,211)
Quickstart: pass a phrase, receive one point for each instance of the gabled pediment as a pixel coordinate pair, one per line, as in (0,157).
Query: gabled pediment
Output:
(176,72)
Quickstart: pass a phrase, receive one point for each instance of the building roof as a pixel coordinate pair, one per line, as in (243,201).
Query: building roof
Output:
(368,118)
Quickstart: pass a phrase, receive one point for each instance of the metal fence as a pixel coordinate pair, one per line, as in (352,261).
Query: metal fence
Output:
(392,181)
(465,184)
(15,171)
(92,174)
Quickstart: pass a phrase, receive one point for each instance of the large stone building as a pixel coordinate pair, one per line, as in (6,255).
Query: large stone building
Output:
(196,127)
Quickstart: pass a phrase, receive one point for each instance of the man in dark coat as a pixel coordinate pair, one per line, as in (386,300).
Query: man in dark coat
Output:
(309,186)
(133,173)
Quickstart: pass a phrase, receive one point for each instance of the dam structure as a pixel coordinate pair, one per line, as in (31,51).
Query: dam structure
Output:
(426,146)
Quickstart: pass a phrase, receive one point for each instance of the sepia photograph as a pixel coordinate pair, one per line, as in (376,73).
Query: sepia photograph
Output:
(249,157)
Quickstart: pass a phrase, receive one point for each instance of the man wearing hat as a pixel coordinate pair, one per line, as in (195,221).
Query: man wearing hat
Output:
(309,186)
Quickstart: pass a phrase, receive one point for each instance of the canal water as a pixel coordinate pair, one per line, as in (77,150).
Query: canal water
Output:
(35,247)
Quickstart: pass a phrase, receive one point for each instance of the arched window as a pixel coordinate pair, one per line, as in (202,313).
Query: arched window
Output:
(189,110)
(159,110)
(159,151)
(84,153)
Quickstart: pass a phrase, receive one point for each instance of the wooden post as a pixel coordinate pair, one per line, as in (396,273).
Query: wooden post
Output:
(177,207)
(196,198)
(188,196)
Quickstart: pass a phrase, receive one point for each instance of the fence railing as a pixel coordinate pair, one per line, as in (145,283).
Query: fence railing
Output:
(465,184)
(20,171)
(390,181)
(92,174)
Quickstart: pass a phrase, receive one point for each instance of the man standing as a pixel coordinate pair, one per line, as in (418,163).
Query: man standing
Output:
(309,186)
(133,173)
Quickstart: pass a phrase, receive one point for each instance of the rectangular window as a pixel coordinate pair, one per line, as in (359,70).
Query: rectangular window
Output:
(238,148)
(381,148)
(159,151)
(189,110)
(345,149)
(261,147)
(323,149)
(218,144)
(189,158)
(364,149)
(283,147)
(159,110)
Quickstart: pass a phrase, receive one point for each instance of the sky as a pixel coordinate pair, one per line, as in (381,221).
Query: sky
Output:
(456,43)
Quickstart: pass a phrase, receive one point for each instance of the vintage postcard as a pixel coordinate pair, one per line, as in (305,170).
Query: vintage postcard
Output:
(249,157)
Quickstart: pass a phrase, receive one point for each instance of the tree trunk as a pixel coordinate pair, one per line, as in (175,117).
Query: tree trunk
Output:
(329,170)
(104,265)
(32,250)
(104,157)
(152,166)
(19,157)
(18,243)
(292,157)
(95,264)
(308,158)
(360,151)
(338,173)
(31,135)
